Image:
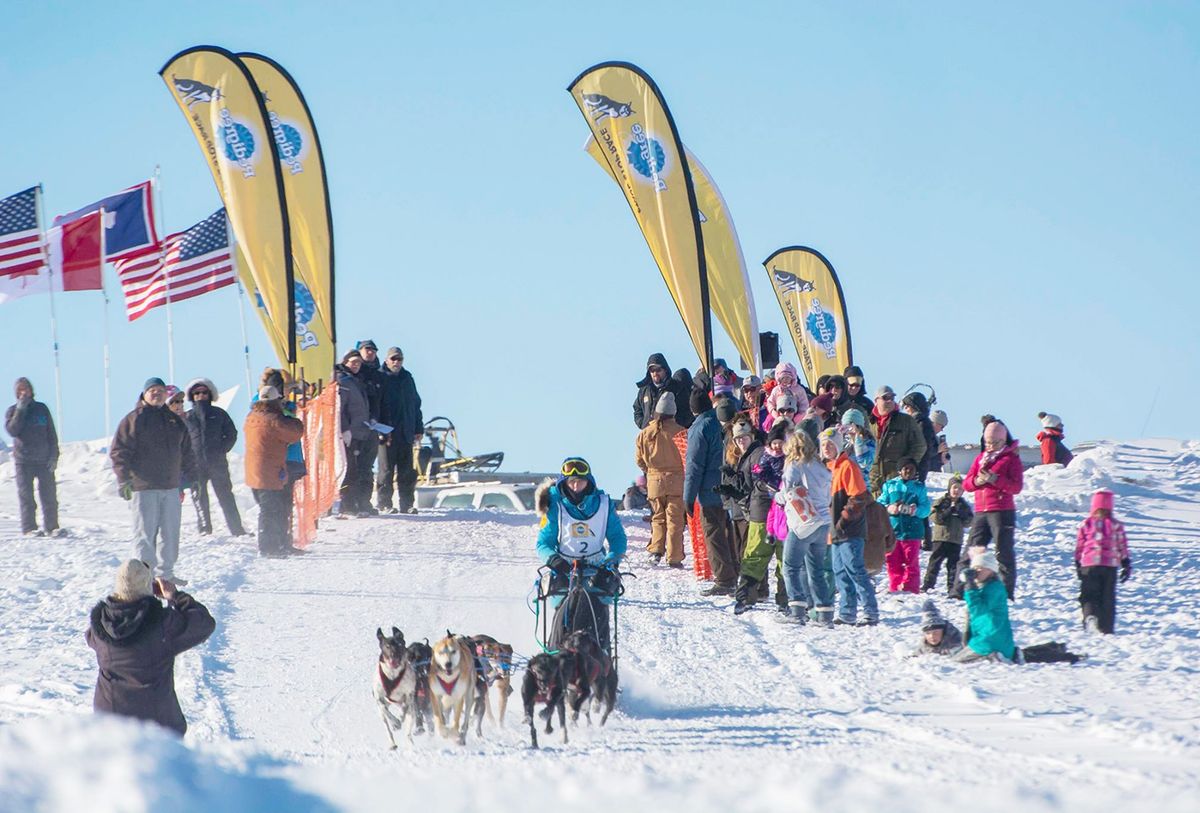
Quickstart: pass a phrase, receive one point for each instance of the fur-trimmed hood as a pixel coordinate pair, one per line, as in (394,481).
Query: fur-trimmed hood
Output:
(541,497)
(121,622)
(202,382)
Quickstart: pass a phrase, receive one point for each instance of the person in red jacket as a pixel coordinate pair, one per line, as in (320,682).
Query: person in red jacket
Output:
(1051,438)
(996,477)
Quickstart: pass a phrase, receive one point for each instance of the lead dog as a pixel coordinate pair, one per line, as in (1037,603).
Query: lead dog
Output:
(395,682)
(453,685)
(546,680)
(495,661)
(595,679)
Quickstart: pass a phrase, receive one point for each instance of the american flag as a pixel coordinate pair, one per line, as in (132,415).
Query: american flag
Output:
(187,264)
(21,252)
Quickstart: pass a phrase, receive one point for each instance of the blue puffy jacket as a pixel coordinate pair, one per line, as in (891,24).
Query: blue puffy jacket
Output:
(702,469)
(614,534)
(898,491)
(987,610)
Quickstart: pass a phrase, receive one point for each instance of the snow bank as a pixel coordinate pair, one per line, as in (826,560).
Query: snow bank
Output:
(86,763)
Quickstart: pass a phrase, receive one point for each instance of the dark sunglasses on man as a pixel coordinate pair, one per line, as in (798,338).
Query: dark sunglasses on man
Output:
(200,392)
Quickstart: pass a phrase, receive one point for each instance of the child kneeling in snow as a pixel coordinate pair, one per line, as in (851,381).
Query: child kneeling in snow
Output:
(938,635)
(1100,546)
(990,635)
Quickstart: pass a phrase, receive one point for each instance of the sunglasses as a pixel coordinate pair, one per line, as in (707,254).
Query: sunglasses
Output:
(853,383)
(198,393)
(887,397)
(576,467)
(396,358)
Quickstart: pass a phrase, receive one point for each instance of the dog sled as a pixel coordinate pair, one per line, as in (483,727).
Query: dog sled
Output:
(578,601)
(440,453)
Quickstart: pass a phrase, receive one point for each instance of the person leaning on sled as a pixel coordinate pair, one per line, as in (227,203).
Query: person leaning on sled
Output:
(136,640)
(580,530)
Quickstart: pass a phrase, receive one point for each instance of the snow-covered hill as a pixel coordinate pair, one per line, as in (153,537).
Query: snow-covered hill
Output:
(717,712)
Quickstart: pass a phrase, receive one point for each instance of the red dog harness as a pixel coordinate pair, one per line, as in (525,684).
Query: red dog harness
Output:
(390,684)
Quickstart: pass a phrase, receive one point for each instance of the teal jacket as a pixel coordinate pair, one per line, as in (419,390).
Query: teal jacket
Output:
(987,608)
(614,534)
(907,492)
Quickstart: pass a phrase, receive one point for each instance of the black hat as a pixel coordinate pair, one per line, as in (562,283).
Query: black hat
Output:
(779,431)
(726,409)
(917,401)
(699,402)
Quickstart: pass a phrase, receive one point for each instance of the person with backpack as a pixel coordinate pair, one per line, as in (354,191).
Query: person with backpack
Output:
(1100,548)
(1054,450)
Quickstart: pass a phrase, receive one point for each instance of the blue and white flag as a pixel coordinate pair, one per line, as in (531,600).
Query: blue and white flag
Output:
(128,221)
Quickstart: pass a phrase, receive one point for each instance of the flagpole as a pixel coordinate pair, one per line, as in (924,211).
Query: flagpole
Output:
(53,317)
(107,368)
(166,280)
(241,301)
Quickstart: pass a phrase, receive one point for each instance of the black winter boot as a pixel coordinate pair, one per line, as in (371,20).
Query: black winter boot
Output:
(744,595)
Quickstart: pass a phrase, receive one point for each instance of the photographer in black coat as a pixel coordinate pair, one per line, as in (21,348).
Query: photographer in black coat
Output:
(136,640)
(213,435)
(399,408)
(35,453)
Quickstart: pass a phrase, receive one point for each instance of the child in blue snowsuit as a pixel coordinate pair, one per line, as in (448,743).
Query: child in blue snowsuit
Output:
(908,505)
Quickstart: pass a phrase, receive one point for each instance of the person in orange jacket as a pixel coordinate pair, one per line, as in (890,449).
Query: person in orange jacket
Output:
(269,432)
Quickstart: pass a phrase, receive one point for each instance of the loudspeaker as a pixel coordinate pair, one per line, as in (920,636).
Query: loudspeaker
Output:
(768,344)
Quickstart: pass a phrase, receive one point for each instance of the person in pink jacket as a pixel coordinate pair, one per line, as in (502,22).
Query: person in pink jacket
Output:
(787,380)
(995,477)
(1100,547)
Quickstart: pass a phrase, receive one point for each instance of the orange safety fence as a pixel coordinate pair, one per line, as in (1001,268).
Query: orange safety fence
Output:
(324,458)
(696,531)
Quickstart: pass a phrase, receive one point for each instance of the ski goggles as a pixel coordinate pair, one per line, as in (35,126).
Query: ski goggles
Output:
(575,467)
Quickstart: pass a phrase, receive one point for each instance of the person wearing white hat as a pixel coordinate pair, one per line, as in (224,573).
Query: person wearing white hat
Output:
(1054,450)
(989,629)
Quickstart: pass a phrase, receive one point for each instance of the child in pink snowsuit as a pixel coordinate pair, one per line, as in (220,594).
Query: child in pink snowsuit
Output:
(1100,547)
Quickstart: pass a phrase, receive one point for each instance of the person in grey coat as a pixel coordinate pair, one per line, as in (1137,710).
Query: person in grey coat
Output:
(136,640)
(938,635)
(701,476)
(35,455)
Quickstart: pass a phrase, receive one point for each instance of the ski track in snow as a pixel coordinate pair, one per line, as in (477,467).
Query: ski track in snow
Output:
(716,711)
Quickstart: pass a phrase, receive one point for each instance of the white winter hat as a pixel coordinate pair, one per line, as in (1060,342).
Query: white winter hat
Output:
(666,404)
(133,581)
(986,559)
(1050,420)
(940,418)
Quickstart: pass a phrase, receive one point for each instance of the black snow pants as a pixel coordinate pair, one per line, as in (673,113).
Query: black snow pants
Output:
(1098,596)
(395,464)
(998,528)
(947,552)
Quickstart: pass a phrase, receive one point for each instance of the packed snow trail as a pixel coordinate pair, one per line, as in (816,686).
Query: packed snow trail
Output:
(716,710)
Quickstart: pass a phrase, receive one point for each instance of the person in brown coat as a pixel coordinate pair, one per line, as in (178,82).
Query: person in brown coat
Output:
(268,432)
(136,640)
(659,457)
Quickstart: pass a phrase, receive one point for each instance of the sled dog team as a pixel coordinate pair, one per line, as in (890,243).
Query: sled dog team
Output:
(450,681)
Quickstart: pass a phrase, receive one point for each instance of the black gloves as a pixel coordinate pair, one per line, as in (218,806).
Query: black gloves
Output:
(726,490)
(967,577)
(1126,569)
(558,564)
(728,470)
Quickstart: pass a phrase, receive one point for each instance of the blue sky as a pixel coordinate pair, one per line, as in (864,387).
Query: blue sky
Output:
(1009,195)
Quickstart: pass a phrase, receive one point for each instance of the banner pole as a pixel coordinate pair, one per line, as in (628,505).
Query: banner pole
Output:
(166,280)
(104,293)
(229,236)
(41,216)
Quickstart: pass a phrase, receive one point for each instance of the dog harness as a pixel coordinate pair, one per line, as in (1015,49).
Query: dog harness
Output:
(448,688)
(390,684)
(583,538)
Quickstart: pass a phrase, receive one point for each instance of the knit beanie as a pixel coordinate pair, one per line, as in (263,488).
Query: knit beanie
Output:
(954,478)
(751,381)
(779,431)
(699,402)
(666,404)
(784,400)
(133,581)
(1050,420)
(854,416)
(153,382)
(823,402)
(939,417)
(1102,499)
(931,617)
(351,354)
(986,559)
(726,409)
(833,436)
(823,382)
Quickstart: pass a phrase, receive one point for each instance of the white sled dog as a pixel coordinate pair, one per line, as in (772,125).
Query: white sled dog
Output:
(395,683)
(452,685)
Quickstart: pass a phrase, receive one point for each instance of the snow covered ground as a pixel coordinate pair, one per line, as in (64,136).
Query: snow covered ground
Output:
(717,712)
